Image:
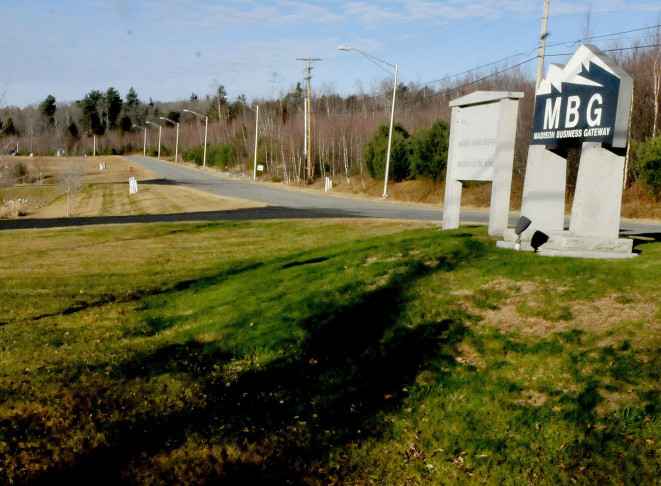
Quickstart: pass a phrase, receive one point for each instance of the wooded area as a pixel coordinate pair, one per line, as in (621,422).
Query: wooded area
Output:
(341,128)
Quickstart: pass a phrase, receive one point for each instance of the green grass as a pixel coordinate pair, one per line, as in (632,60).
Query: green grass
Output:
(320,352)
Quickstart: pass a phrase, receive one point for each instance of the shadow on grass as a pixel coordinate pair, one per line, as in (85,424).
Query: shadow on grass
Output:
(356,363)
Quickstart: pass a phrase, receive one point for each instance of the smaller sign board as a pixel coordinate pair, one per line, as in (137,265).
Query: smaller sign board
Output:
(476,142)
(260,168)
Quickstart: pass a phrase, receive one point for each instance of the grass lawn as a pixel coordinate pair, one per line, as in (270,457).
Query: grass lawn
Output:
(323,352)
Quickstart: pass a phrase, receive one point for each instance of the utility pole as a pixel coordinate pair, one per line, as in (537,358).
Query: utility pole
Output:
(308,119)
(542,44)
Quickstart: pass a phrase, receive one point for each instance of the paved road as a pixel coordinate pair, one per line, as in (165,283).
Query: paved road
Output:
(283,204)
(293,203)
(280,198)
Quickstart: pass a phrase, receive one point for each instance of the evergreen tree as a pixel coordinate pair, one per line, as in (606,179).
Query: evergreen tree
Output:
(125,123)
(71,135)
(376,152)
(218,105)
(93,106)
(113,107)
(429,158)
(47,109)
(132,106)
(9,129)
(72,129)
(174,116)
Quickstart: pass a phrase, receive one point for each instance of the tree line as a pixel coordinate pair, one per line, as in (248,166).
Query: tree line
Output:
(347,137)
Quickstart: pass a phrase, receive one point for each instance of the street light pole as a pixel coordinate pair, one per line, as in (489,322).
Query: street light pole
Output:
(144,142)
(254,165)
(206,131)
(392,109)
(87,133)
(176,145)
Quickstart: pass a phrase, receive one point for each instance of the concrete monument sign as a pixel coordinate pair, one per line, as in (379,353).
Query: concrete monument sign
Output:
(482,132)
(585,104)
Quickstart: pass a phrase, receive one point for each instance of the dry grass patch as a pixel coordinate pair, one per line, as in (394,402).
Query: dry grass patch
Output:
(599,316)
(105,192)
(467,355)
(532,398)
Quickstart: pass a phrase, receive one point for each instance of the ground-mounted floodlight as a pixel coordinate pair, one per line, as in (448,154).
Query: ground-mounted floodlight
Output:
(159,136)
(176,145)
(144,143)
(379,63)
(206,131)
(521,225)
(538,239)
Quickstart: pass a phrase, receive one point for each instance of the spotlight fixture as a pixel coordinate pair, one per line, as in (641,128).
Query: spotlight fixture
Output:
(538,239)
(521,225)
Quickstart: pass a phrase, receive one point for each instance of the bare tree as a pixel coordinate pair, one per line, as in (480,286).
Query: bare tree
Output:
(71,180)
(587,29)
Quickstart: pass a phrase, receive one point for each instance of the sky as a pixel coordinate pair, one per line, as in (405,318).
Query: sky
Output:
(168,49)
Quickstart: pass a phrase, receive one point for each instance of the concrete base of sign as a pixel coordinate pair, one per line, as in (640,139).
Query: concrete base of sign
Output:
(565,243)
(598,199)
(543,200)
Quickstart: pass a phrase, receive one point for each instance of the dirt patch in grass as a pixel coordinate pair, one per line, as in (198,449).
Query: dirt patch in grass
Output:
(532,397)
(595,316)
(468,356)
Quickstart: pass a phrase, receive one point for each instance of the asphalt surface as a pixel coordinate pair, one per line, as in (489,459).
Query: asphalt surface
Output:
(290,199)
(282,204)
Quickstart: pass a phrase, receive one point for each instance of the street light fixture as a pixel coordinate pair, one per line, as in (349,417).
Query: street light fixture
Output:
(376,61)
(254,108)
(159,137)
(176,145)
(144,143)
(206,131)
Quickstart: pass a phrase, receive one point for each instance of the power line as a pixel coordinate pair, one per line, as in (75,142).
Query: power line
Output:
(479,48)
(573,43)
(455,88)
(610,50)
(446,28)
(528,52)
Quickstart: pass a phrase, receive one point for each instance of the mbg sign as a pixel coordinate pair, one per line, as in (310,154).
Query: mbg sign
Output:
(588,100)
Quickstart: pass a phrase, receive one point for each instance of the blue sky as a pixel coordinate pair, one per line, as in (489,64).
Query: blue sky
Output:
(168,49)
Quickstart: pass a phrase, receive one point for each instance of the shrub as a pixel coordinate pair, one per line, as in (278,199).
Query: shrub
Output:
(376,149)
(429,156)
(193,155)
(221,156)
(18,172)
(165,151)
(649,165)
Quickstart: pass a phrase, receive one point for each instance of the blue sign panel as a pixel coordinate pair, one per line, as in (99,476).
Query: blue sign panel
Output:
(580,103)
